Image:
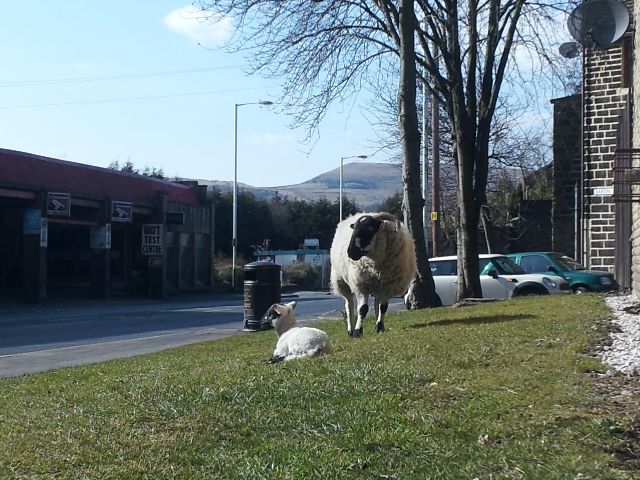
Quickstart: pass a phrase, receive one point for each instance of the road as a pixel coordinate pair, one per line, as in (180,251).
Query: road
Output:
(38,338)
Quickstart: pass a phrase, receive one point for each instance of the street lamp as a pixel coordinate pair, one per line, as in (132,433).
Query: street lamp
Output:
(342,159)
(234,240)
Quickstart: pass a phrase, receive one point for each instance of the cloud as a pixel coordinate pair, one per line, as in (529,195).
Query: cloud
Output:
(204,28)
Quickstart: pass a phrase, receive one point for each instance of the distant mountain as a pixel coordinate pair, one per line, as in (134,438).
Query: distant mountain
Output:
(366,183)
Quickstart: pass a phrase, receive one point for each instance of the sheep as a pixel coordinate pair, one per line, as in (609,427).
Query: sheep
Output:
(295,342)
(371,254)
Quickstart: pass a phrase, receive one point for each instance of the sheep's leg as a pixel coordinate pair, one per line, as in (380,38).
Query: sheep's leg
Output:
(363,309)
(277,358)
(348,306)
(380,321)
(347,294)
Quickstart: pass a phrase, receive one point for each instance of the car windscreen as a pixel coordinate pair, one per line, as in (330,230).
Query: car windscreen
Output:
(504,266)
(443,267)
(567,262)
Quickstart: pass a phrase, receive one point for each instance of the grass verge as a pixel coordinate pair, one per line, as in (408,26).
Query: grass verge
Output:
(492,391)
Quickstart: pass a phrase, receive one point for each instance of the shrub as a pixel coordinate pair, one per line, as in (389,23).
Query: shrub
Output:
(301,274)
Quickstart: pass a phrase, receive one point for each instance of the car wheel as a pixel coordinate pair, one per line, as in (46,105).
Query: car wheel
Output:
(530,292)
(580,289)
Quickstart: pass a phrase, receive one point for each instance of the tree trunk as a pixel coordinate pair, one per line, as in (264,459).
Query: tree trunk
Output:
(422,292)
(469,285)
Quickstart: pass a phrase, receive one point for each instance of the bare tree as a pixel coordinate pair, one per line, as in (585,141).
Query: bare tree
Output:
(422,291)
(326,51)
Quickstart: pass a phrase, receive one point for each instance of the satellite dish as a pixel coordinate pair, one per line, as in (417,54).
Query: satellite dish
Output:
(598,23)
(569,49)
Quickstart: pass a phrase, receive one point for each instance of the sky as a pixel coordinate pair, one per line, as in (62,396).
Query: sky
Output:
(96,82)
(145,81)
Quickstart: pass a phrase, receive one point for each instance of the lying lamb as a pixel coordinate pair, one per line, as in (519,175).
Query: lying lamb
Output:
(295,342)
(372,254)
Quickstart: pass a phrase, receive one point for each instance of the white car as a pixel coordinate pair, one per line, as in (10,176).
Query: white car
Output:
(500,278)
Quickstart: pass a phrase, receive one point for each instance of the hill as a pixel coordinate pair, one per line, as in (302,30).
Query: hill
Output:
(365,182)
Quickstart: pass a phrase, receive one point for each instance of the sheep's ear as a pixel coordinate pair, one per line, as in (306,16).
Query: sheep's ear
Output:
(291,305)
(395,226)
(280,309)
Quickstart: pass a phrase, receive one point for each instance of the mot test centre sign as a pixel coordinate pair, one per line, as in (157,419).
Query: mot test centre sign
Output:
(152,237)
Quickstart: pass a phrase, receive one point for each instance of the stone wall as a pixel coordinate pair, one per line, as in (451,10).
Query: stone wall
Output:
(604,99)
(635,228)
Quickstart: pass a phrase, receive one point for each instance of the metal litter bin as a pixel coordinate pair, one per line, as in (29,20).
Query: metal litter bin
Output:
(261,290)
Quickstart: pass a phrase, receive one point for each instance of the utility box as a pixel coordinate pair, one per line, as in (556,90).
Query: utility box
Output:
(262,289)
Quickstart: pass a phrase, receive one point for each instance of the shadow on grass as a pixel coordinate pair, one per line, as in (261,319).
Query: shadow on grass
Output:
(474,321)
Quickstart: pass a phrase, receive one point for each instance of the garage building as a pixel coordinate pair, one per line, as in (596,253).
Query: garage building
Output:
(73,230)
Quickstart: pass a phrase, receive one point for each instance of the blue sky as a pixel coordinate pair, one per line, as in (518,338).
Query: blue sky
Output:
(55,99)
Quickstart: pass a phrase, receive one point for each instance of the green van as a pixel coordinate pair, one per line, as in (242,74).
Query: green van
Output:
(580,279)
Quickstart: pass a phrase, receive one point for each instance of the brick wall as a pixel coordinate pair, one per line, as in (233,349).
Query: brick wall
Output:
(567,119)
(635,228)
(604,99)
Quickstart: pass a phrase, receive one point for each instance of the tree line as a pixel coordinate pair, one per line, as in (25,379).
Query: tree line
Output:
(276,223)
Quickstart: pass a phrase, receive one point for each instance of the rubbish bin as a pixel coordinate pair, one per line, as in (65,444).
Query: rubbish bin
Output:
(261,290)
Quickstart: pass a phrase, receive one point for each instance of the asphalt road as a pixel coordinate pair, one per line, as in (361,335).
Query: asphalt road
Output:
(38,338)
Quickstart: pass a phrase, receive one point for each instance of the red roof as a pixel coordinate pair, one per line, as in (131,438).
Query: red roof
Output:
(26,171)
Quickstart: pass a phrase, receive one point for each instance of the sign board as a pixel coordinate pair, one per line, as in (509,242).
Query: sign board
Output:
(44,232)
(59,204)
(121,211)
(603,191)
(434,216)
(152,237)
(101,237)
(315,260)
(31,221)
(174,218)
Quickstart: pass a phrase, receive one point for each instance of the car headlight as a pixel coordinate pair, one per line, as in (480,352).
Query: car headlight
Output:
(605,281)
(549,283)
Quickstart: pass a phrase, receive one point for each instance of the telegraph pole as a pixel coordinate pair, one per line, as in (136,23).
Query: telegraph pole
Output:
(435,172)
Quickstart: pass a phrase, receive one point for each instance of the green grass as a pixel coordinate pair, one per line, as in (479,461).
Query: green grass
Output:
(493,391)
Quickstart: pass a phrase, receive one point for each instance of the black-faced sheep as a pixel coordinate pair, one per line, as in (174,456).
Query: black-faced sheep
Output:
(295,342)
(372,254)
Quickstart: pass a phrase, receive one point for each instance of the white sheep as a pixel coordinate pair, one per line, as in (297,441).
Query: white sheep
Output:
(371,254)
(295,342)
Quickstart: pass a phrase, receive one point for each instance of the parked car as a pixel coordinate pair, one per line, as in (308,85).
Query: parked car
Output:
(580,279)
(500,278)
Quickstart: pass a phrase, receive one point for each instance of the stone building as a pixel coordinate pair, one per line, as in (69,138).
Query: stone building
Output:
(592,145)
(635,163)
(68,229)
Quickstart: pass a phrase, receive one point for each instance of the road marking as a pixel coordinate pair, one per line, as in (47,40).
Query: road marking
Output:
(126,340)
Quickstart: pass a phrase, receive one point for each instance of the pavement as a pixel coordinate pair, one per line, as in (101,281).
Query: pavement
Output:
(38,360)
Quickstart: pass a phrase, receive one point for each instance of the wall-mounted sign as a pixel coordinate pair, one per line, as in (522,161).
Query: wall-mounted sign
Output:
(31,221)
(174,218)
(121,211)
(59,204)
(100,238)
(603,191)
(44,232)
(434,216)
(152,239)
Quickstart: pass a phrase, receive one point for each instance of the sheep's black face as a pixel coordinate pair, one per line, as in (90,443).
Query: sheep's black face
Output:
(364,231)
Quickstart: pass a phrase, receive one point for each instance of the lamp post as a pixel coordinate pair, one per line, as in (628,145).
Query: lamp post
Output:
(342,159)
(234,240)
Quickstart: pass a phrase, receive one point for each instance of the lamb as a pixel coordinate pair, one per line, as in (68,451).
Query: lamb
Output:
(371,254)
(295,342)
